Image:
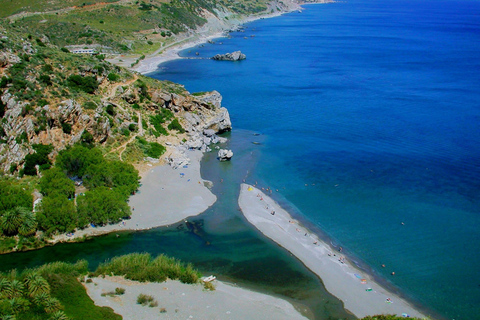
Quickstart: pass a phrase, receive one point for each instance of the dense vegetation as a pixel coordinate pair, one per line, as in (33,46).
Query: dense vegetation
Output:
(110,183)
(142,267)
(42,79)
(53,291)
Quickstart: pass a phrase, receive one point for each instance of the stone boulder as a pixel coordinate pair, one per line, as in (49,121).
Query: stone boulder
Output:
(225,155)
(234,56)
(221,122)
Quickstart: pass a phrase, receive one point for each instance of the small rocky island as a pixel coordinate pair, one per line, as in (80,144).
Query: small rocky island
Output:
(234,56)
(225,155)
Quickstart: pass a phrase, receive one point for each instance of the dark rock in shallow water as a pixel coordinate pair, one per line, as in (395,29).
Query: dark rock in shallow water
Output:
(234,56)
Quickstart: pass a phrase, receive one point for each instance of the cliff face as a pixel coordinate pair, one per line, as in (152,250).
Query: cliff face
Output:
(61,99)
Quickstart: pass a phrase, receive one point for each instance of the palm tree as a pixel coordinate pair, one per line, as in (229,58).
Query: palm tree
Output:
(12,220)
(28,226)
(19,304)
(40,299)
(16,289)
(5,290)
(36,284)
(58,315)
(7,224)
(52,305)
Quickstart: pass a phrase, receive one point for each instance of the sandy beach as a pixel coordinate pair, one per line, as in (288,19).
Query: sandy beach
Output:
(360,294)
(185,301)
(166,196)
(216,27)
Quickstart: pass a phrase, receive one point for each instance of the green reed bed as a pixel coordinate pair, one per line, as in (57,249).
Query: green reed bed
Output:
(142,267)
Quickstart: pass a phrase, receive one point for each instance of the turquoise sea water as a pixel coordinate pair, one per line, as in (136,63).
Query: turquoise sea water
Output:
(370,117)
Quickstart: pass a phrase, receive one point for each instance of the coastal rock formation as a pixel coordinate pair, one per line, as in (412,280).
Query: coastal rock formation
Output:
(234,56)
(97,104)
(225,155)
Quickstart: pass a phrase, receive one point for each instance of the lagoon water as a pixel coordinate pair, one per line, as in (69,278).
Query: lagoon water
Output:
(369,115)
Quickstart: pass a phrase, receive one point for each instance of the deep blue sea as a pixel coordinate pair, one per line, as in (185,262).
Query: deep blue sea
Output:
(369,115)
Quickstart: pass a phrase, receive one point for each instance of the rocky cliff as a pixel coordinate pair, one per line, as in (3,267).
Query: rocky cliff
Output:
(49,96)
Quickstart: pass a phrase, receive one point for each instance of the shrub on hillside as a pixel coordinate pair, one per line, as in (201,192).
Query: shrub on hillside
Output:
(175,125)
(86,84)
(40,157)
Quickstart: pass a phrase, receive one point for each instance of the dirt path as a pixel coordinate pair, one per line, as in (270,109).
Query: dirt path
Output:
(111,95)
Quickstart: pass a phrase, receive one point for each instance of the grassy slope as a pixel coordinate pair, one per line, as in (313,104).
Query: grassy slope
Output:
(104,23)
(73,296)
(10,7)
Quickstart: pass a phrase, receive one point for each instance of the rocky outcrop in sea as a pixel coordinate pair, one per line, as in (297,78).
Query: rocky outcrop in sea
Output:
(234,56)
(225,155)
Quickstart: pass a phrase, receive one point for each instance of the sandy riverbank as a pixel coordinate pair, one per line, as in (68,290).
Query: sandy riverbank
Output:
(340,277)
(166,196)
(186,301)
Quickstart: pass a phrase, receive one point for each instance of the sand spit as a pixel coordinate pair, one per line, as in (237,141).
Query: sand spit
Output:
(360,294)
(185,301)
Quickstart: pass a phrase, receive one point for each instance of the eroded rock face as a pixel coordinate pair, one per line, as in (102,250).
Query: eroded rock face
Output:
(202,118)
(234,56)
(63,123)
(7,59)
(18,123)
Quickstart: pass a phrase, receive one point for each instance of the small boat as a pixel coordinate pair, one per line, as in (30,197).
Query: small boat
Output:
(209,279)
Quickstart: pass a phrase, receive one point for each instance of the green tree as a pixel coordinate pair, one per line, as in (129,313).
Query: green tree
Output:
(54,181)
(40,157)
(52,305)
(18,218)
(102,205)
(113,174)
(36,285)
(59,315)
(75,160)
(16,289)
(57,213)
(87,139)
(28,227)
(12,196)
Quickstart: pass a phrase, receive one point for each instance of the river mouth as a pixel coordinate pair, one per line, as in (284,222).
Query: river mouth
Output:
(218,242)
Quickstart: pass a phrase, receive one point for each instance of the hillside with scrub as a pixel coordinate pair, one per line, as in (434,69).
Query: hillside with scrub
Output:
(75,128)
(127,27)
(75,131)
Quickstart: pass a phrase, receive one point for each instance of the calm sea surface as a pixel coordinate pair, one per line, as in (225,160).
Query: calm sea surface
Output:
(369,113)
(366,118)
